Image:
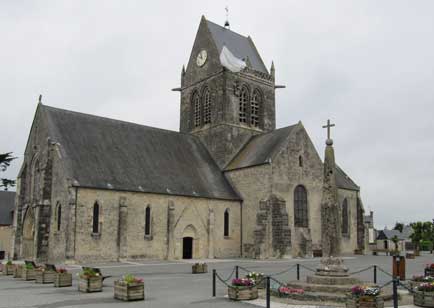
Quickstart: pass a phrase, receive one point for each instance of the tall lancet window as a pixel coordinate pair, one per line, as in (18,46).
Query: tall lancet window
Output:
(345,217)
(255,107)
(196,110)
(148,220)
(244,100)
(59,216)
(300,207)
(206,106)
(95,219)
(226,223)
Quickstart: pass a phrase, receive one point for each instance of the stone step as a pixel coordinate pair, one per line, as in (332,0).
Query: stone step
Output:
(317,297)
(309,287)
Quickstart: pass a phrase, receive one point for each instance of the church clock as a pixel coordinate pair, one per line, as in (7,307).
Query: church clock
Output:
(201,58)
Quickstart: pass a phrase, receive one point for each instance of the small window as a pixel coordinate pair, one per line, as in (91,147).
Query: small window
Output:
(59,216)
(148,220)
(95,220)
(244,99)
(300,161)
(206,107)
(226,223)
(345,217)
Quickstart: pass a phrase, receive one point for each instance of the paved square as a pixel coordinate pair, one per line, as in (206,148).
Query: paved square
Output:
(171,284)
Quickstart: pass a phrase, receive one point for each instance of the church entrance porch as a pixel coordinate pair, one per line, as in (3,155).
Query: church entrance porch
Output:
(187,248)
(28,235)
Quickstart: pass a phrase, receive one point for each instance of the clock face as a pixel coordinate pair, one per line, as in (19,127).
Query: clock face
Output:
(201,58)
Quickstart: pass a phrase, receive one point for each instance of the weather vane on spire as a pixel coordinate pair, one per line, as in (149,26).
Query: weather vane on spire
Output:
(227,18)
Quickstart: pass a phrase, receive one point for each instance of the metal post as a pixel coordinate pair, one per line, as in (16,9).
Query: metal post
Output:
(375,274)
(298,271)
(267,296)
(213,282)
(395,292)
(236,272)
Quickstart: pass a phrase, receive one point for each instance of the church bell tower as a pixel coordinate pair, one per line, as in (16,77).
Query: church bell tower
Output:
(227,93)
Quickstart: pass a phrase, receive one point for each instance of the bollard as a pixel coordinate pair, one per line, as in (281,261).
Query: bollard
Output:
(236,272)
(395,292)
(298,271)
(213,282)
(375,274)
(267,296)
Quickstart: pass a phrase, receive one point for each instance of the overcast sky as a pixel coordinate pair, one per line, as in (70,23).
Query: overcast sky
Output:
(366,65)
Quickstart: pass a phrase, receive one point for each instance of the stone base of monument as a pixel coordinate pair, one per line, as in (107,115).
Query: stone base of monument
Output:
(330,283)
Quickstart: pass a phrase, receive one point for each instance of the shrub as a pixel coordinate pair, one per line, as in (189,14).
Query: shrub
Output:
(426,287)
(365,291)
(88,273)
(129,279)
(242,282)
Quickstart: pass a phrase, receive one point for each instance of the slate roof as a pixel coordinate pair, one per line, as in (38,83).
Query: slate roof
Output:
(261,148)
(389,234)
(240,46)
(7,204)
(111,154)
(344,181)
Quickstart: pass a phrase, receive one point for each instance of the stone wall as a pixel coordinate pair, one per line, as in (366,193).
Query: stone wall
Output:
(6,240)
(349,241)
(172,218)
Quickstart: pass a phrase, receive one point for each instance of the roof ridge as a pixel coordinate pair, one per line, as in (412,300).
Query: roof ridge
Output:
(111,119)
(226,29)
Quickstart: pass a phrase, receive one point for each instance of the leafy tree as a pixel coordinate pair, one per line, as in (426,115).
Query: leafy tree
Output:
(5,162)
(395,241)
(399,226)
(422,231)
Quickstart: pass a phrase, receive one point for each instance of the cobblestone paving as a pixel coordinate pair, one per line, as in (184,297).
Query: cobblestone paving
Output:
(171,284)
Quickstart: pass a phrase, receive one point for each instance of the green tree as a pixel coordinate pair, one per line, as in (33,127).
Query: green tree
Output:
(399,226)
(395,241)
(5,162)
(422,231)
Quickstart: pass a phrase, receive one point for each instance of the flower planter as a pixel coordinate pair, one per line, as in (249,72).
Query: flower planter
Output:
(423,299)
(242,293)
(44,276)
(63,280)
(129,291)
(8,269)
(90,284)
(18,271)
(28,274)
(199,268)
(429,271)
(364,302)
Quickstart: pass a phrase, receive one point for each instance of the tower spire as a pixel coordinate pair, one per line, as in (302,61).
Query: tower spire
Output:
(227,25)
(272,69)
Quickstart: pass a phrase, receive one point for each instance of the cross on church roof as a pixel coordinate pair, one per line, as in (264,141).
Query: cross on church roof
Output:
(328,126)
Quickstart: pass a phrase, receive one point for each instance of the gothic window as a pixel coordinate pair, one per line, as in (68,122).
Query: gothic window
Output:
(196,106)
(255,106)
(300,207)
(345,217)
(95,220)
(244,99)
(148,220)
(36,172)
(300,161)
(59,216)
(226,223)
(206,106)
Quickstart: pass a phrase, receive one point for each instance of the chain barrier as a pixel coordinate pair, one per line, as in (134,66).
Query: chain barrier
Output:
(362,270)
(383,271)
(409,289)
(386,284)
(223,281)
(308,268)
(244,269)
(229,277)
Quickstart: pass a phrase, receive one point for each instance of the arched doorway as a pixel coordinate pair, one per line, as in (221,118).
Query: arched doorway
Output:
(28,235)
(187,247)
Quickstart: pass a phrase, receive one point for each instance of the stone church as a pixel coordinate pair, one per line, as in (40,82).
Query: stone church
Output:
(228,184)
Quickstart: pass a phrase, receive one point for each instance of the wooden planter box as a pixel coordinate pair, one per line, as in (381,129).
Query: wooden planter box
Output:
(45,276)
(129,292)
(199,268)
(28,274)
(63,280)
(18,271)
(8,269)
(92,284)
(364,302)
(242,293)
(423,299)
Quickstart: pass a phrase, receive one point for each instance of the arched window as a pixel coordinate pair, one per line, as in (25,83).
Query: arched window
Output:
(244,99)
(226,223)
(300,207)
(59,216)
(196,108)
(255,106)
(36,177)
(148,220)
(345,217)
(206,107)
(95,220)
